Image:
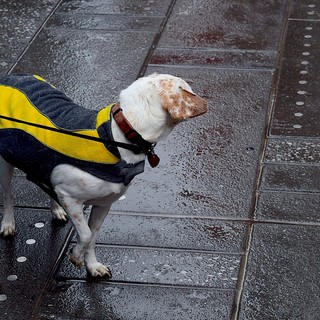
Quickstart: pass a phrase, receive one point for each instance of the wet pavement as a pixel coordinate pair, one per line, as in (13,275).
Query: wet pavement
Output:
(227,227)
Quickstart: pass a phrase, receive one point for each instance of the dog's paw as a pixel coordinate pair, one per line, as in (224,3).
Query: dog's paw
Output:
(59,214)
(7,230)
(98,270)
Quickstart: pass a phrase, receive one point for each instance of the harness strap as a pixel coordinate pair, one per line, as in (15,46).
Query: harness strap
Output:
(132,147)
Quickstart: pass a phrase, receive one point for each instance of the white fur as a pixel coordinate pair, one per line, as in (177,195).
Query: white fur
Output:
(142,106)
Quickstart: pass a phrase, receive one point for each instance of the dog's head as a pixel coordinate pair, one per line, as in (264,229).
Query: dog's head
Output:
(177,97)
(156,103)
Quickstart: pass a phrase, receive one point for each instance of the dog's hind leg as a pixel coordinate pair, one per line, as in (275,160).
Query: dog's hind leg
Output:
(8,223)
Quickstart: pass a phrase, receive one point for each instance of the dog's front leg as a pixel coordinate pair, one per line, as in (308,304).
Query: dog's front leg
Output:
(95,268)
(75,212)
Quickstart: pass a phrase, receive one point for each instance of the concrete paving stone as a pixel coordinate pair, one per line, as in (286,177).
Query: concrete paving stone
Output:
(105,301)
(288,206)
(134,7)
(208,164)
(214,58)
(166,232)
(237,25)
(296,111)
(18,22)
(299,178)
(74,62)
(293,151)
(282,280)
(111,22)
(28,277)
(305,9)
(162,266)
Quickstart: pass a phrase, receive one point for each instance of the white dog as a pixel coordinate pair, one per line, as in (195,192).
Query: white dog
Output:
(81,156)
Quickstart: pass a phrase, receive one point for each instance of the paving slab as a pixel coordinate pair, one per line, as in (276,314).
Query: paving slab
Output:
(173,232)
(284,150)
(284,177)
(208,165)
(282,280)
(28,261)
(289,206)
(106,301)
(231,25)
(162,266)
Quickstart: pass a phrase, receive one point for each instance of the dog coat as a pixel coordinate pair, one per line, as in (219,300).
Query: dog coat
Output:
(36,151)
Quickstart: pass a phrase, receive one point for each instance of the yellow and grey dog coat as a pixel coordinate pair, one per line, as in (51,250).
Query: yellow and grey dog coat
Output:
(36,151)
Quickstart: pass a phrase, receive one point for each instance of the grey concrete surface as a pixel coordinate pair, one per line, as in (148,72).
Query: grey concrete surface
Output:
(227,227)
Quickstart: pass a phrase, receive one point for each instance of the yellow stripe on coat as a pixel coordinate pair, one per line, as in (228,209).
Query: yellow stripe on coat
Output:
(79,148)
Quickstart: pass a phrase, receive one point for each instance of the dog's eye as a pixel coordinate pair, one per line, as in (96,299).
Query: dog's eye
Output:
(183,89)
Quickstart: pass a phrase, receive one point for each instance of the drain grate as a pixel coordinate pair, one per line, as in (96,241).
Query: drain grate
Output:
(297,106)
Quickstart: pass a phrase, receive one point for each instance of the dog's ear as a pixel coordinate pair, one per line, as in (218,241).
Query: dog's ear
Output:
(185,104)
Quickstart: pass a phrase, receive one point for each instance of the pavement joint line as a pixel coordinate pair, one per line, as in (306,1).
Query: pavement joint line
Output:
(296,164)
(195,67)
(156,40)
(289,192)
(116,14)
(179,216)
(104,245)
(304,20)
(53,270)
(106,30)
(306,164)
(285,222)
(284,190)
(29,208)
(235,309)
(277,75)
(140,284)
(297,138)
(207,50)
